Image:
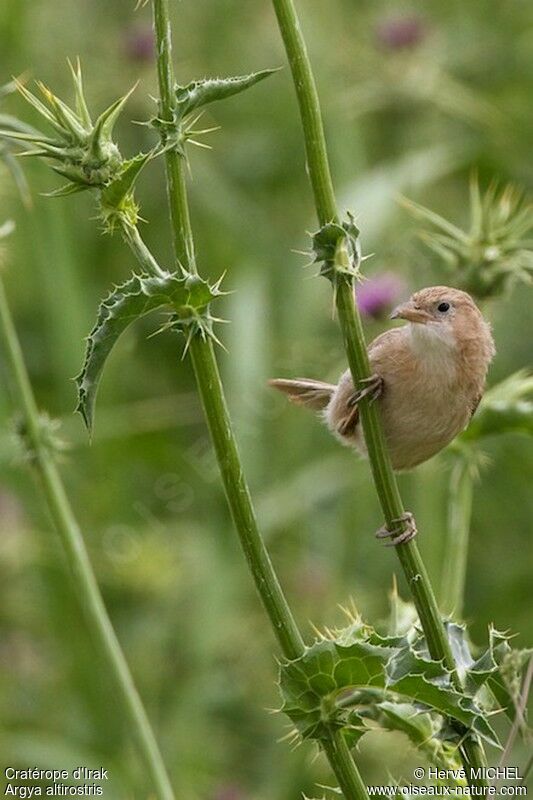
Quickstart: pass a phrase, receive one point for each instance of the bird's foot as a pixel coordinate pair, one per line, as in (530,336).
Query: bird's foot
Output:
(371,387)
(400,536)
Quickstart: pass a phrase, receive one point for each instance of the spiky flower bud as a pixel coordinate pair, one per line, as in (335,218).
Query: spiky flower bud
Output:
(83,151)
(494,252)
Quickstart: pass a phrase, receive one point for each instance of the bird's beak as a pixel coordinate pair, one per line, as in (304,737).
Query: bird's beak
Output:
(411,313)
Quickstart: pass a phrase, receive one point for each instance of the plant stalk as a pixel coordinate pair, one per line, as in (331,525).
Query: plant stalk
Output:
(354,342)
(457,535)
(182,237)
(144,256)
(219,423)
(78,559)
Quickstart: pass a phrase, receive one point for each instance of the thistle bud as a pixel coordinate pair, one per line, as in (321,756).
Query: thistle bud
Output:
(494,252)
(83,151)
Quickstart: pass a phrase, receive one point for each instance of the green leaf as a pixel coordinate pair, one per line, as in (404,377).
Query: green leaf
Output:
(336,683)
(122,184)
(209,90)
(505,408)
(424,730)
(81,105)
(137,297)
(187,296)
(103,127)
(330,240)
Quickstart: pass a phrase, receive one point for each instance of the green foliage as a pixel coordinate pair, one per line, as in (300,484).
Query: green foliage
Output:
(84,151)
(505,408)
(171,579)
(336,246)
(178,130)
(188,296)
(493,253)
(354,679)
(197,94)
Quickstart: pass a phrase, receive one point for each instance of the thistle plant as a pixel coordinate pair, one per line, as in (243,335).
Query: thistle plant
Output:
(423,682)
(340,256)
(494,253)
(487,260)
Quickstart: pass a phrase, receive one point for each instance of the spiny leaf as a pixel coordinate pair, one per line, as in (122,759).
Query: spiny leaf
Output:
(137,297)
(327,687)
(63,114)
(103,127)
(423,729)
(81,105)
(199,93)
(121,185)
(40,108)
(337,248)
(188,296)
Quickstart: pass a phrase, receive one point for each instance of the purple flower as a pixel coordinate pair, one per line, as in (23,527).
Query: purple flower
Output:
(400,32)
(139,44)
(377,296)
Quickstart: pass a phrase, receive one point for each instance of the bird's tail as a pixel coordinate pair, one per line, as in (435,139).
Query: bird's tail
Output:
(305,392)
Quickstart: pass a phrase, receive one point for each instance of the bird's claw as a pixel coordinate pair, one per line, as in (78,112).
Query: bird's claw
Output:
(372,388)
(399,534)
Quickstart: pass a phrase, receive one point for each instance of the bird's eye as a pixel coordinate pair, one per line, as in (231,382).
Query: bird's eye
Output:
(443,307)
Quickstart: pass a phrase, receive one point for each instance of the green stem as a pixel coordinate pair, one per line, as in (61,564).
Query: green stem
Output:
(309,104)
(144,256)
(78,559)
(456,541)
(239,500)
(182,236)
(237,492)
(338,753)
(212,395)
(354,341)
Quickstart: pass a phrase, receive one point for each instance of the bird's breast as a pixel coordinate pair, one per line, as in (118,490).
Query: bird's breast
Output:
(423,405)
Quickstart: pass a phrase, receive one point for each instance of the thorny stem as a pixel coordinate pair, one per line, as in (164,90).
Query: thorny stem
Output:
(182,236)
(354,341)
(219,423)
(78,559)
(237,492)
(457,534)
(338,753)
(208,378)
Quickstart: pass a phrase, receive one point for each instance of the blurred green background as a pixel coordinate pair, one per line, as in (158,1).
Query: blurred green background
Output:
(415,95)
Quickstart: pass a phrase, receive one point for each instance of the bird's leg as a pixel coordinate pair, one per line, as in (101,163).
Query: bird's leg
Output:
(399,536)
(371,387)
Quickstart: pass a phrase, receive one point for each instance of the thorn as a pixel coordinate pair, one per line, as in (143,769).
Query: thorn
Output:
(200,144)
(316,631)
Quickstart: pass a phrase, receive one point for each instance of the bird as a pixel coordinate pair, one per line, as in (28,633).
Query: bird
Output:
(428,377)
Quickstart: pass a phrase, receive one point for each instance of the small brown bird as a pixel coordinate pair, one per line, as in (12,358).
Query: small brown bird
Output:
(428,378)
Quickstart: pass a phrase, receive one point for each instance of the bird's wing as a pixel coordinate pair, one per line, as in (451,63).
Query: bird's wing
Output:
(305,392)
(392,337)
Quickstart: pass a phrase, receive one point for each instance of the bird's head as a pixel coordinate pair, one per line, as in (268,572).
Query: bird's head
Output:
(448,313)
